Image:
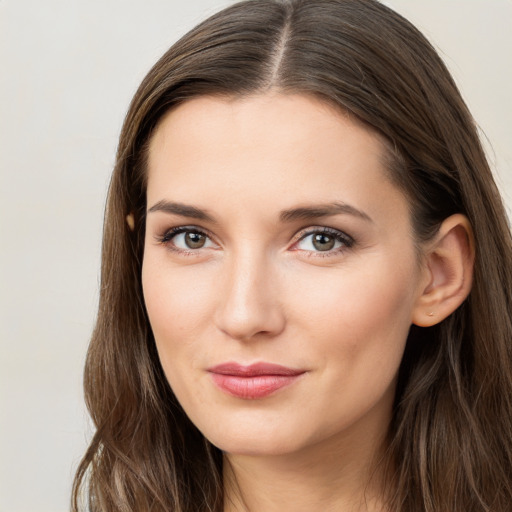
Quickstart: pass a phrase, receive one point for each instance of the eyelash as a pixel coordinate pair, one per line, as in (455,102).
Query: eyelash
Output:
(339,236)
(346,241)
(172,233)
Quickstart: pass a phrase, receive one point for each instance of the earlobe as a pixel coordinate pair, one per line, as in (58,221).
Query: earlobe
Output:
(449,272)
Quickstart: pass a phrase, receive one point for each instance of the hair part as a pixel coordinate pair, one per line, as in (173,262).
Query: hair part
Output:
(450,442)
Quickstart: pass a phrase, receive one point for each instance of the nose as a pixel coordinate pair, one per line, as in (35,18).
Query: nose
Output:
(249,305)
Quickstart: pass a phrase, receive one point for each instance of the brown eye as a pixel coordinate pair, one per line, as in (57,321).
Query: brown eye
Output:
(186,239)
(323,242)
(194,240)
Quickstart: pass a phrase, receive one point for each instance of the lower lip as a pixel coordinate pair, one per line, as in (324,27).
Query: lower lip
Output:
(252,388)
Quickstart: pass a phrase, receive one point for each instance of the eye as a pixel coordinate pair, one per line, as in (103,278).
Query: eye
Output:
(325,240)
(186,239)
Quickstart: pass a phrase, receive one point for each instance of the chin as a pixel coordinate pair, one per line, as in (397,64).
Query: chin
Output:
(255,441)
(256,447)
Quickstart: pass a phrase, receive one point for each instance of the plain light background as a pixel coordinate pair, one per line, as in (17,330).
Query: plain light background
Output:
(68,69)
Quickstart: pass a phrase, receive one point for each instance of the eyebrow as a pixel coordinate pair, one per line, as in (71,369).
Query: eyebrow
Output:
(290,215)
(322,210)
(181,209)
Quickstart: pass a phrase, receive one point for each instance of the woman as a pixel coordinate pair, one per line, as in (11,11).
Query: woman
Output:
(306,282)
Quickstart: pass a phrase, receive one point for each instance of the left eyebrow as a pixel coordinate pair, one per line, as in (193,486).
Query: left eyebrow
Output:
(322,210)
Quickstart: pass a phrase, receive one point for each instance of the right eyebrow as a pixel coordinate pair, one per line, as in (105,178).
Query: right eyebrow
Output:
(181,209)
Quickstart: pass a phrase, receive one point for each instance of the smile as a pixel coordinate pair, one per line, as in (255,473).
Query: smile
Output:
(255,381)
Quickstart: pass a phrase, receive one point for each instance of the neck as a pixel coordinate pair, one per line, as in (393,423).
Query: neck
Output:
(336,475)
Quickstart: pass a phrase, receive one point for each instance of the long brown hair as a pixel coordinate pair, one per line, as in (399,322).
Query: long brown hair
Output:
(451,435)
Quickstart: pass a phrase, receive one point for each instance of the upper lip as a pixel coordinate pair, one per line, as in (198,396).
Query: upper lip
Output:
(254,370)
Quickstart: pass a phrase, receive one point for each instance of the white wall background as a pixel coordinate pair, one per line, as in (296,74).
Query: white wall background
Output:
(67,72)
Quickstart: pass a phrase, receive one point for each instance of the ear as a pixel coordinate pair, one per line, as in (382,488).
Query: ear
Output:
(448,265)
(130,220)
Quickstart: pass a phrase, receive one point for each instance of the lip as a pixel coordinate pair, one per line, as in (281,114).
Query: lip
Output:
(254,381)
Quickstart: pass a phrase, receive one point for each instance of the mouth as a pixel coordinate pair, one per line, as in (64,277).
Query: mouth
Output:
(255,381)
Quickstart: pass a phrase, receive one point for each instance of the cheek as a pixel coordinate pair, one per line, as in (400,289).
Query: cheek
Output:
(358,319)
(354,297)
(179,305)
(357,327)
(174,296)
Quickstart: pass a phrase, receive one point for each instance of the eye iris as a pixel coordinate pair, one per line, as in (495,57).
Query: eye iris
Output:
(194,240)
(323,242)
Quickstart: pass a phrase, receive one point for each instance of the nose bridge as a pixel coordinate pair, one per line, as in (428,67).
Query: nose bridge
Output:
(249,303)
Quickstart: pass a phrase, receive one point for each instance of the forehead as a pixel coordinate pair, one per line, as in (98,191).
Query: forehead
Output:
(283,148)
(298,114)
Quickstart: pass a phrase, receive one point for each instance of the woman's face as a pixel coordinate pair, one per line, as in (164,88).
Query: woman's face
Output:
(280,273)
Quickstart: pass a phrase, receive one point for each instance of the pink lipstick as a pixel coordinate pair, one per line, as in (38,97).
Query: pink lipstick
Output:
(255,381)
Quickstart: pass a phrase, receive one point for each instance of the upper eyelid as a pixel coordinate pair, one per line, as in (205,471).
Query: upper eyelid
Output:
(302,231)
(323,229)
(181,229)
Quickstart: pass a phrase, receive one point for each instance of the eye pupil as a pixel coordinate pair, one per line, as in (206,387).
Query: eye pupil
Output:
(323,242)
(194,240)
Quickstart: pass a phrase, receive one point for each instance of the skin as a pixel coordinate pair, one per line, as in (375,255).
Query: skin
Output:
(260,290)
